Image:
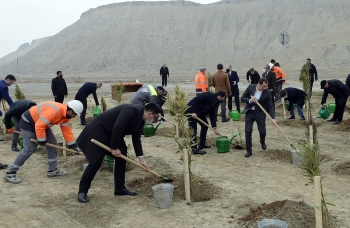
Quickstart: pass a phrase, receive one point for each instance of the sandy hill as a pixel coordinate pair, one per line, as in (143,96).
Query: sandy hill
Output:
(135,38)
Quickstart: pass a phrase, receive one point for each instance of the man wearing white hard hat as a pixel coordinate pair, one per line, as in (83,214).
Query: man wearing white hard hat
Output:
(36,123)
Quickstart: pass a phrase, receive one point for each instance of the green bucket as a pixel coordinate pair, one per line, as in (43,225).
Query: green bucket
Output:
(108,161)
(287,104)
(20,142)
(12,123)
(331,107)
(223,144)
(97,111)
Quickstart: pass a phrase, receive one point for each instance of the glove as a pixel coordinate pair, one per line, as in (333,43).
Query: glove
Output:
(11,130)
(42,143)
(72,146)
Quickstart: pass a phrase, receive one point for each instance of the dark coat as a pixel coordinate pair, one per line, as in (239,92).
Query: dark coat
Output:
(203,104)
(164,71)
(313,73)
(4,92)
(265,101)
(59,87)
(339,91)
(233,76)
(109,128)
(295,96)
(254,78)
(271,82)
(16,110)
(87,89)
(347,82)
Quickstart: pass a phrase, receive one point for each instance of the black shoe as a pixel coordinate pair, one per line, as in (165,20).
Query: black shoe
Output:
(225,120)
(14,148)
(336,123)
(331,120)
(197,151)
(82,197)
(124,192)
(263,146)
(2,139)
(3,166)
(291,118)
(248,154)
(205,146)
(84,123)
(302,118)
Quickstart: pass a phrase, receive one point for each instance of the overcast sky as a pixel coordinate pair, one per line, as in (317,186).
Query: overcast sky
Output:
(25,20)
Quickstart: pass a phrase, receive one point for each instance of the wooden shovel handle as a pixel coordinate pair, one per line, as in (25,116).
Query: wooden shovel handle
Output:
(284,109)
(166,120)
(58,147)
(124,157)
(271,120)
(205,123)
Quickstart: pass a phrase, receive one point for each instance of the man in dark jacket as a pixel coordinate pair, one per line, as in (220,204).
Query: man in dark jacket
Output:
(234,79)
(347,82)
(253,75)
(200,106)
(271,81)
(59,88)
(82,94)
(4,91)
(160,99)
(164,73)
(257,93)
(295,97)
(15,113)
(109,128)
(312,73)
(340,93)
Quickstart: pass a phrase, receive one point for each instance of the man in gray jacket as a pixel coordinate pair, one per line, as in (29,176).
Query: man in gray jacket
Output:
(146,94)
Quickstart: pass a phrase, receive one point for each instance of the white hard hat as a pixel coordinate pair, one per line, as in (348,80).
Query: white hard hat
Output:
(76,106)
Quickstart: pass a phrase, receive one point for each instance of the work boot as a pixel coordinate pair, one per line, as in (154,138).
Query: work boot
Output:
(12,178)
(248,154)
(263,145)
(204,146)
(82,197)
(56,173)
(302,118)
(3,166)
(124,192)
(291,118)
(14,148)
(198,151)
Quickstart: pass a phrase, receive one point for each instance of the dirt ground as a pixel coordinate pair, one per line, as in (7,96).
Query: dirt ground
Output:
(235,191)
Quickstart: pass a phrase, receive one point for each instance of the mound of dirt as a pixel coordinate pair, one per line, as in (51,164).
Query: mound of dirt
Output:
(295,214)
(165,131)
(342,169)
(344,126)
(286,156)
(294,123)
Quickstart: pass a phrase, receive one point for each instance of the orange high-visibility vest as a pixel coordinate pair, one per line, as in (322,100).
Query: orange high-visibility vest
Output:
(279,74)
(201,82)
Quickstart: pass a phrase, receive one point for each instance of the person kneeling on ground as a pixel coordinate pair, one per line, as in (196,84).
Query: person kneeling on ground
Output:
(109,128)
(15,113)
(294,96)
(200,106)
(36,124)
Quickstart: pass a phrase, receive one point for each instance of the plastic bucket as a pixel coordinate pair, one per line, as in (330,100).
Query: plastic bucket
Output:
(272,223)
(163,195)
(297,159)
(97,175)
(108,161)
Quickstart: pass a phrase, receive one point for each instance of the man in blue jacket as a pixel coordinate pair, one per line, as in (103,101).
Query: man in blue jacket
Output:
(234,79)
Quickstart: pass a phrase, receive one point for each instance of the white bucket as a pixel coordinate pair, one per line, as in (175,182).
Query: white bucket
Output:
(97,175)
(272,223)
(297,159)
(163,195)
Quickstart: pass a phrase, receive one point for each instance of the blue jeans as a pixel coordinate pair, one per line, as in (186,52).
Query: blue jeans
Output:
(300,111)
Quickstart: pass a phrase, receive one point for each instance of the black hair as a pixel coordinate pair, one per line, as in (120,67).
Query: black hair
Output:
(277,64)
(220,66)
(11,77)
(220,93)
(152,107)
(283,93)
(262,80)
(273,61)
(160,88)
(58,72)
(308,59)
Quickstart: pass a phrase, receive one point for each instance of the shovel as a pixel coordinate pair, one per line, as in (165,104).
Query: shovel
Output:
(132,161)
(276,125)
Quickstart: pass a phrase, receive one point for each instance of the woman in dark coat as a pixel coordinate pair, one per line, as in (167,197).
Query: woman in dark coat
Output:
(109,128)
(297,97)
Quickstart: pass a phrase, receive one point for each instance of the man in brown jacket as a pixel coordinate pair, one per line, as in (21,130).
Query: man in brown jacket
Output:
(220,82)
(271,81)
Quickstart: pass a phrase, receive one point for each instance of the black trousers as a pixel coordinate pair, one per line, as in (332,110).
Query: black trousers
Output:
(236,101)
(83,113)
(311,85)
(160,103)
(119,171)
(59,98)
(204,129)
(164,80)
(250,117)
(339,111)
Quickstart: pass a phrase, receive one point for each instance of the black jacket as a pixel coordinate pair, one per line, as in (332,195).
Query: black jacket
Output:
(87,89)
(253,77)
(233,76)
(203,104)
(16,110)
(339,91)
(313,73)
(109,128)
(295,96)
(59,87)
(164,71)
(347,83)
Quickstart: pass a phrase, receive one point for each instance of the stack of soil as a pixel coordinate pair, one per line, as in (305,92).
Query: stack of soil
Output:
(344,126)
(342,169)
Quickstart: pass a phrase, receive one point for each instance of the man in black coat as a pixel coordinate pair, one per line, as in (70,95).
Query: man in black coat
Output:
(234,79)
(294,96)
(164,73)
(15,113)
(109,128)
(200,106)
(340,93)
(82,94)
(253,75)
(347,82)
(59,87)
(257,93)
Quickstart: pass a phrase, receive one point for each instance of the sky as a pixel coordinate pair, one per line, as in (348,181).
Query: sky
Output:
(25,20)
